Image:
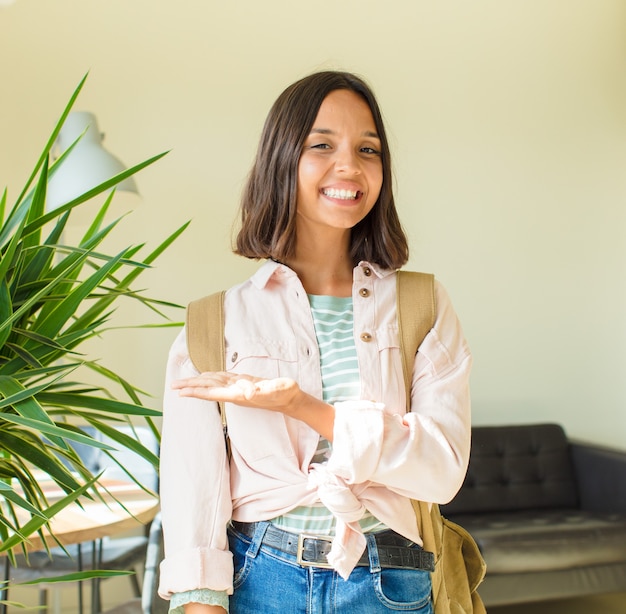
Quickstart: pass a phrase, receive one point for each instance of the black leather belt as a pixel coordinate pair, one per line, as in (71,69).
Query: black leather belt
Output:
(394,551)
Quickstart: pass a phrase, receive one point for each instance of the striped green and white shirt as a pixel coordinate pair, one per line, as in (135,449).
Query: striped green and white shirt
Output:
(334,329)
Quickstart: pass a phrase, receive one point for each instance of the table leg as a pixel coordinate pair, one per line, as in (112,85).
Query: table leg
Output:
(79,559)
(96,558)
(4,590)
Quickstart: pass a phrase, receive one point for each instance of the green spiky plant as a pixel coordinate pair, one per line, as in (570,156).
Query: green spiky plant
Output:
(53,298)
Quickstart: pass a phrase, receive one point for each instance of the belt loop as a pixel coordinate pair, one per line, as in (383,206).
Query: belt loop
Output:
(257,539)
(372,552)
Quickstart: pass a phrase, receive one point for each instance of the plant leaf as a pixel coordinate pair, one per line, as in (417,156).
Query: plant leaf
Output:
(8,493)
(85,401)
(77,577)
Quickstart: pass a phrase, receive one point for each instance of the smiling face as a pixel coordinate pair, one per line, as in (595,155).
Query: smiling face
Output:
(340,172)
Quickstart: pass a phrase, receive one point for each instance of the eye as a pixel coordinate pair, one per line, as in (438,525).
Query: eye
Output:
(320,146)
(370,151)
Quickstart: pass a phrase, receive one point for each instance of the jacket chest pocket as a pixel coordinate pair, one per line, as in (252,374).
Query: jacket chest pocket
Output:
(385,379)
(263,358)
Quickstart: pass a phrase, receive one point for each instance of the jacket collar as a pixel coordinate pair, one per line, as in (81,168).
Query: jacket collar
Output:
(272,269)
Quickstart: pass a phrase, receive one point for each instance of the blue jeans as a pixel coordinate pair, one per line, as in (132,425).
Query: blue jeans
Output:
(268,581)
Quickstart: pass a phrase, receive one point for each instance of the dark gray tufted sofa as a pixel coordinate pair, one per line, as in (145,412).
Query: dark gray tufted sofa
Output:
(548,514)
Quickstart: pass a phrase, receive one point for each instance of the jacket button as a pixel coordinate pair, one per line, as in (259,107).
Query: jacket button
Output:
(367,271)
(364,292)
(234,357)
(366,337)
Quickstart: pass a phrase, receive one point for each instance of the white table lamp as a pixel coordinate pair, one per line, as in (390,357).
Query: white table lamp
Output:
(87,165)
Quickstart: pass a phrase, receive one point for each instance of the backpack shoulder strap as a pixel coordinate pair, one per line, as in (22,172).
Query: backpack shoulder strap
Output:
(416,316)
(205,341)
(205,332)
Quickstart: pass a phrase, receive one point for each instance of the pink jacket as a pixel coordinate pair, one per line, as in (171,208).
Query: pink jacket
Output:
(381,455)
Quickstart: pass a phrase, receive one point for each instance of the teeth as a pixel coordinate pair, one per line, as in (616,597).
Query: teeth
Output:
(342,194)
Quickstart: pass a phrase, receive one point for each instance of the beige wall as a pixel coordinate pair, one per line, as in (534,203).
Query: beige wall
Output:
(508,124)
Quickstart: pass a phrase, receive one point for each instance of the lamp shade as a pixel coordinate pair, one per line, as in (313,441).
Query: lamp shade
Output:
(87,165)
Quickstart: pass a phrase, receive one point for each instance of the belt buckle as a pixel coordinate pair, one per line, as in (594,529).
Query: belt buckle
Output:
(300,552)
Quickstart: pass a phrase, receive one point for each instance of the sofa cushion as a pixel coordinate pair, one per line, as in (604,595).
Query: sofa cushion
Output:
(529,541)
(518,467)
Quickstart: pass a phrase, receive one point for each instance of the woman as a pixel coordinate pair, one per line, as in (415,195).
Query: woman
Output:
(321,444)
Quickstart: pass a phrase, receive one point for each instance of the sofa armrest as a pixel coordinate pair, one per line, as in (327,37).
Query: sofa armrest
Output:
(601,477)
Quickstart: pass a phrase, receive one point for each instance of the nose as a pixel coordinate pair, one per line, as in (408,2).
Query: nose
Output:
(347,161)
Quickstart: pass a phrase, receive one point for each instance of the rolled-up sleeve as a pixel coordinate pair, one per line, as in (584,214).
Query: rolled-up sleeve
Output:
(195,491)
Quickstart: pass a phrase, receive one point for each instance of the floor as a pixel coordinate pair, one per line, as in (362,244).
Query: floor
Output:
(117,590)
(601,604)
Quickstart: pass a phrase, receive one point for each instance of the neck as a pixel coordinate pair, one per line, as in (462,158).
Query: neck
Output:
(324,267)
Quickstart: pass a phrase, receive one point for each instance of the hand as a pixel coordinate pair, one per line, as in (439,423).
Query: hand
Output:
(280,394)
(199,608)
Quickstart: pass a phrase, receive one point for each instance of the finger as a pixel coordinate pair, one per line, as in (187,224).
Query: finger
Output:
(233,390)
(210,393)
(204,379)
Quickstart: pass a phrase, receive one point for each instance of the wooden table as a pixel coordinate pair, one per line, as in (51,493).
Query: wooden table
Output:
(124,506)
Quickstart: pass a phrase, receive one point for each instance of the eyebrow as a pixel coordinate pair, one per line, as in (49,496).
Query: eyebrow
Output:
(367,133)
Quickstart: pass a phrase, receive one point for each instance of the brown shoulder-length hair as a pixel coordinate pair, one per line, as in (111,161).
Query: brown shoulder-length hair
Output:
(268,204)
